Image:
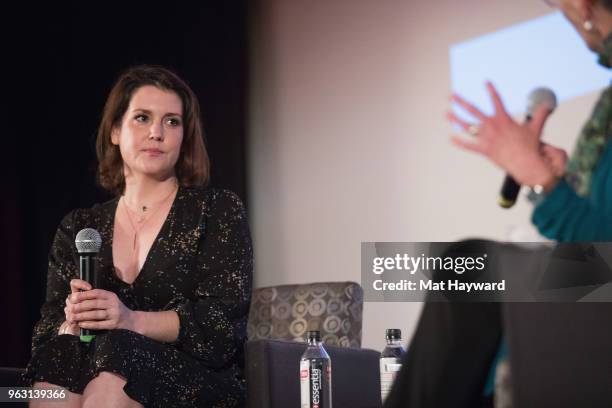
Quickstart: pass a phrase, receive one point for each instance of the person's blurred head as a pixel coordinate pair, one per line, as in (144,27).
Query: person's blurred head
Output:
(591,18)
(151,126)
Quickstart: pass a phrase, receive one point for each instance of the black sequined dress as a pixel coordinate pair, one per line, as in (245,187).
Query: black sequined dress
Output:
(200,265)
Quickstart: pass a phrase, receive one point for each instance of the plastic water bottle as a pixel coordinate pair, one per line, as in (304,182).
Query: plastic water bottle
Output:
(390,361)
(315,374)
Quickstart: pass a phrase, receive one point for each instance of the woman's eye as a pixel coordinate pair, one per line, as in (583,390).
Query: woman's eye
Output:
(173,121)
(141,118)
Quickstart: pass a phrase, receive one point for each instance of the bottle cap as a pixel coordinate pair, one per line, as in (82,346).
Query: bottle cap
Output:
(393,334)
(313,335)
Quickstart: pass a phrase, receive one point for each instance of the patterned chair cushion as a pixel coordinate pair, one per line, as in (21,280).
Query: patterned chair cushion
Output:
(287,312)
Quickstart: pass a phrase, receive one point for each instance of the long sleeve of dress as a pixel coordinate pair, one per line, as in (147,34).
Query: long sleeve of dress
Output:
(62,268)
(213,321)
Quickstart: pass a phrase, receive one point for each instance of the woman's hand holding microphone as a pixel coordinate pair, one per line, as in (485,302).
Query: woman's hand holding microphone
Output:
(95,309)
(514,147)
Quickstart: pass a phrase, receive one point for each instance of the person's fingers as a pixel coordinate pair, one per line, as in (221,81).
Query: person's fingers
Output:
(539,119)
(89,294)
(98,325)
(469,107)
(90,304)
(550,158)
(497,101)
(467,145)
(553,152)
(69,315)
(79,284)
(452,117)
(68,310)
(555,157)
(91,315)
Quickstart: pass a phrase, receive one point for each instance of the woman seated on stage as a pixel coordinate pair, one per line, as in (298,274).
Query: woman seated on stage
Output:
(174,269)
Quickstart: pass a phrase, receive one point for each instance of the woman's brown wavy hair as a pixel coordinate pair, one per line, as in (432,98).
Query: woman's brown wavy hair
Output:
(192,167)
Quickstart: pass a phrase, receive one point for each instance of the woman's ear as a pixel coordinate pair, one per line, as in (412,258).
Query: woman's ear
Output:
(585,8)
(115,136)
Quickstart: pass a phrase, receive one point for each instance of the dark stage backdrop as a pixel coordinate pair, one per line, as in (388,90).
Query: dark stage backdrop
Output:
(60,60)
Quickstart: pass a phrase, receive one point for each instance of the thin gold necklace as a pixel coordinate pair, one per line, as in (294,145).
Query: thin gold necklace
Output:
(141,223)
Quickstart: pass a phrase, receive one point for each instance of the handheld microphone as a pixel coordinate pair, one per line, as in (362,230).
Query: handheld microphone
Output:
(539,96)
(88,243)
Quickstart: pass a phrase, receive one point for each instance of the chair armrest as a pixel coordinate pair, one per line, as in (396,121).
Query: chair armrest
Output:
(273,375)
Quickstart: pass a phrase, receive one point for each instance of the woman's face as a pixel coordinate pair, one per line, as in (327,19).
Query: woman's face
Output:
(577,12)
(151,133)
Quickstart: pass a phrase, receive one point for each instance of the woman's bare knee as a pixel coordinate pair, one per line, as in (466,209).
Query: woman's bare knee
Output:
(73,401)
(106,390)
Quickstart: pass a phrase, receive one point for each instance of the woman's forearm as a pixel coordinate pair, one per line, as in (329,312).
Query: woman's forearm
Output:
(160,326)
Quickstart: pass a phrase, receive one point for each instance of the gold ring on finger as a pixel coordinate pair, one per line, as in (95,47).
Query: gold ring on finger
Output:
(473,130)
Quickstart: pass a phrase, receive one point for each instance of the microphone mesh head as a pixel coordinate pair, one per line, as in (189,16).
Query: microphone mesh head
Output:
(88,240)
(541,96)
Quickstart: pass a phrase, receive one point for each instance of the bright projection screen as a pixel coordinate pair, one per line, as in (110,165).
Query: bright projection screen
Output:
(545,51)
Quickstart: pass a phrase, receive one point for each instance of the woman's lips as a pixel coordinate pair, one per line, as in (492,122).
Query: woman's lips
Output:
(153,152)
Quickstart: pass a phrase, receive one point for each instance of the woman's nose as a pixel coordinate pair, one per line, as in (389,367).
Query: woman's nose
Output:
(156,132)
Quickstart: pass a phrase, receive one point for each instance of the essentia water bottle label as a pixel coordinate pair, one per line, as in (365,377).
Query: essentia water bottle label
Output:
(305,383)
(314,377)
(389,369)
